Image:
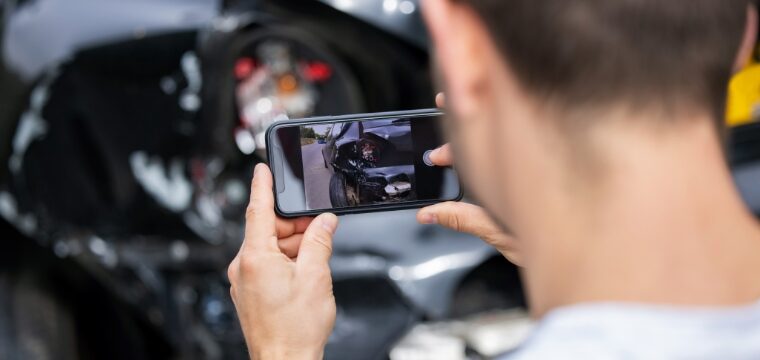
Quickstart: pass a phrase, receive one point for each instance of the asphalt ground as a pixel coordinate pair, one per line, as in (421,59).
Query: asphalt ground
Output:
(316,177)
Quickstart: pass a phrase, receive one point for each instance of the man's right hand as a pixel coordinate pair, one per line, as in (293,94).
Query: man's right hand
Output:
(467,218)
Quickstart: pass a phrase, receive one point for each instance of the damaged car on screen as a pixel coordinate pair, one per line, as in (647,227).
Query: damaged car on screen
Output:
(370,161)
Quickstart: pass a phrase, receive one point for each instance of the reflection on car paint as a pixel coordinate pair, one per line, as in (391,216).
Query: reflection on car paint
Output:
(32,125)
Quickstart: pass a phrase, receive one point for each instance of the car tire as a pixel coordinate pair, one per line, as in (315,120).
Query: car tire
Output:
(34,322)
(338,196)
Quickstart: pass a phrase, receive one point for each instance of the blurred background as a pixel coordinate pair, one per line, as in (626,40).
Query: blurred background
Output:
(128,133)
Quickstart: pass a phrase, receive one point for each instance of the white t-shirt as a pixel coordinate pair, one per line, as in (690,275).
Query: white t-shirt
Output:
(633,331)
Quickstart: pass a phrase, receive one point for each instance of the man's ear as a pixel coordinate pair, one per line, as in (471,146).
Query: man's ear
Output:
(749,41)
(460,43)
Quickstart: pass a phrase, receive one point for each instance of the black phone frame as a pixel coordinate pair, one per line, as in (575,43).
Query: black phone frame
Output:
(361,209)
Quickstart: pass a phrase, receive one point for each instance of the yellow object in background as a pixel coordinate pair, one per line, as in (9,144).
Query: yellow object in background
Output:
(744,96)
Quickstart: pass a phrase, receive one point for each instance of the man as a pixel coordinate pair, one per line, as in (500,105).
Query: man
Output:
(591,130)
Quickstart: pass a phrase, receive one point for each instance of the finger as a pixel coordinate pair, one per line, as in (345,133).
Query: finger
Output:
(260,228)
(442,156)
(440,100)
(316,245)
(288,227)
(232,270)
(289,245)
(460,217)
(474,220)
(233,296)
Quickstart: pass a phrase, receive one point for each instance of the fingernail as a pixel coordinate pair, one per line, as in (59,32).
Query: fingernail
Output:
(329,222)
(256,169)
(435,151)
(429,219)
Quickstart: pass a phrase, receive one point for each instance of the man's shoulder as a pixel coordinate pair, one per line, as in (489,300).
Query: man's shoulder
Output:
(610,331)
(566,348)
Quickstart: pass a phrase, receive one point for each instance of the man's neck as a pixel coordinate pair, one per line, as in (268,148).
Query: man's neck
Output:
(664,225)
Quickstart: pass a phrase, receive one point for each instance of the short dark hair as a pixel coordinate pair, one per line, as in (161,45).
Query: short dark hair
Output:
(597,52)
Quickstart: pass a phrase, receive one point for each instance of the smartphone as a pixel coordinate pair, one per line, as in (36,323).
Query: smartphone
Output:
(358,163)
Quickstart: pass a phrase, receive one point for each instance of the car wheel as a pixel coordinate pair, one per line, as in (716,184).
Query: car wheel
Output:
(34,323)
(341,194)
(338,196)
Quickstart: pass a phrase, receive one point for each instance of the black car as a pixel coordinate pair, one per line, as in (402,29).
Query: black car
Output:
(371,162)
(128,134)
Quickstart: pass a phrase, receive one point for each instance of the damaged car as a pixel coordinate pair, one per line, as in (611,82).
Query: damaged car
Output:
(128,134)
(371,162)
(126,149)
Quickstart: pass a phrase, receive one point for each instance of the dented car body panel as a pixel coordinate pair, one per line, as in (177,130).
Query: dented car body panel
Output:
(389,182)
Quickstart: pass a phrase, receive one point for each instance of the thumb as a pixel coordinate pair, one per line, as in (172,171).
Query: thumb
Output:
(440,100)
(442,156)
(474,220)
(458,216)
(316,245)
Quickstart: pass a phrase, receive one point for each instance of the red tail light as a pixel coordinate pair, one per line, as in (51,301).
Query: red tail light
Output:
(244,68)
(317,71)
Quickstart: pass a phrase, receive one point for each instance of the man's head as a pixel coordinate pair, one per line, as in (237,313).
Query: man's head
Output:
(529,81)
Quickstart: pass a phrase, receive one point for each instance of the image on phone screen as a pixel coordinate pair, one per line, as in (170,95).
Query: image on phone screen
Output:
(362,163)
(358,163)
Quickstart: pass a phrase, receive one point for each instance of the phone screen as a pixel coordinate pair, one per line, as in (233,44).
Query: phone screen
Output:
(360,164)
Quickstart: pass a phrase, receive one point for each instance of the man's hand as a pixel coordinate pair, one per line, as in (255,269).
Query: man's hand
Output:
(281,282)
(465,217)
(468,218)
